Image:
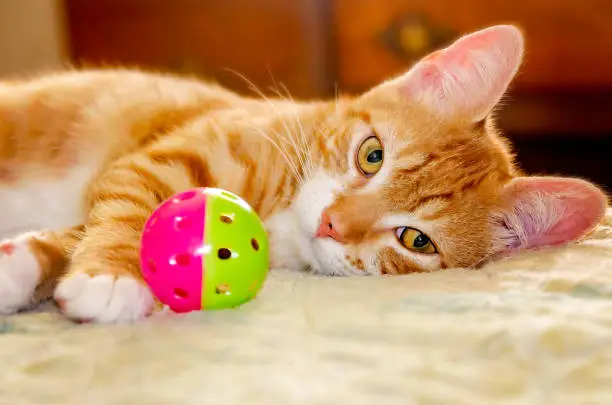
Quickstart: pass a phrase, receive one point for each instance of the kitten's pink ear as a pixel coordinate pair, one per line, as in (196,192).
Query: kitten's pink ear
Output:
(468,78)
(548,211)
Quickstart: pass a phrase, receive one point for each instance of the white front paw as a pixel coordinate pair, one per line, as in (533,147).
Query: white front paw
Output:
(19,275)
(103,298)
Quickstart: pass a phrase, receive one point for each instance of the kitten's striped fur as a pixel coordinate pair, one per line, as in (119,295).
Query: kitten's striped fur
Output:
(85,156)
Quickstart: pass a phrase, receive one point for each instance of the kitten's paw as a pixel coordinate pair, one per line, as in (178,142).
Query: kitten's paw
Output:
(103,298)
(19,275)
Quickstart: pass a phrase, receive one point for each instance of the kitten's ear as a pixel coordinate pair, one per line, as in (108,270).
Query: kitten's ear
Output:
(468,78)
(547,211)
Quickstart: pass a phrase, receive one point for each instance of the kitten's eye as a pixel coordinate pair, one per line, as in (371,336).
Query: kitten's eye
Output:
(415,240)
(370,156)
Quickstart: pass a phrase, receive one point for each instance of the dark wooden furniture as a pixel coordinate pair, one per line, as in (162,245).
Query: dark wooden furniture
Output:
(263,41)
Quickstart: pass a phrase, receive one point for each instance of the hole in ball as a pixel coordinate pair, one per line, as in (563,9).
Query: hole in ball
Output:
(151,266)
(182,223)
(222,289)
(180,293)
(255,244)
(182,259)
(224,253)
(226,219)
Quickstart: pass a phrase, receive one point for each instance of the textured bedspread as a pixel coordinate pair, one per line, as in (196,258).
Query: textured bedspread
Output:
(534,329)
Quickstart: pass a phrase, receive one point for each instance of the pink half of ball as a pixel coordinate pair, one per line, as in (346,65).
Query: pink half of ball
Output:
(171,262)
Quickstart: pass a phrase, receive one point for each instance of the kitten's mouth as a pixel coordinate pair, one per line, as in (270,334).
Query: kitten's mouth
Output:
(328,258)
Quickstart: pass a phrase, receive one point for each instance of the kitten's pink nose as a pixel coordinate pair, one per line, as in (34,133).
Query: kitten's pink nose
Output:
(328,228)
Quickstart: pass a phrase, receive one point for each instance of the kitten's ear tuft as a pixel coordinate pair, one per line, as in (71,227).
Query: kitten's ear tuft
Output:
(468,78)
(548,211)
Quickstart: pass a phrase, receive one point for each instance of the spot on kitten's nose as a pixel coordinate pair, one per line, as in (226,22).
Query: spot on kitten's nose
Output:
(328,228)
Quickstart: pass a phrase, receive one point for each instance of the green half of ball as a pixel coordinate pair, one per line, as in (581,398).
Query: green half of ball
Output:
(236,256)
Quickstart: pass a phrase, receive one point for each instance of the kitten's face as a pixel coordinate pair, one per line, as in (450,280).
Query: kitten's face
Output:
(401,193)
(414,177)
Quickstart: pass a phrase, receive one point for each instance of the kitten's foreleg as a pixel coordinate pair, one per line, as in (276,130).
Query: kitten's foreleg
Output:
(104,283)
(31,264)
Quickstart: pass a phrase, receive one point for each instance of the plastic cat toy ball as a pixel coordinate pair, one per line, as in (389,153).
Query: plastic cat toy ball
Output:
(204,248)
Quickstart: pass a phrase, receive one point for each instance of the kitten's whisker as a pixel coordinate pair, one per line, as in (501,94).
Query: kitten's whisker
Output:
(267,99)
(257,91)
(282,118)
(290,138)
(261,94)
(283,153)
(283,150)
(307,149)
(301,163)
(303,136)
(304,144)
(252,85)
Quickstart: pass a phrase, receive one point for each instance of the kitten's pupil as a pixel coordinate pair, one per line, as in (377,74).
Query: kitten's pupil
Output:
(420,241)
(375,156)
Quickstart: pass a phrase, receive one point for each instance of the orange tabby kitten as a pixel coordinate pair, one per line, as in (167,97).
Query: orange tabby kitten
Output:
(411,176)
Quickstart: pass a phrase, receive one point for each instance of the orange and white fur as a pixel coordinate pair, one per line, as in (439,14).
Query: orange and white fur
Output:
(411,176)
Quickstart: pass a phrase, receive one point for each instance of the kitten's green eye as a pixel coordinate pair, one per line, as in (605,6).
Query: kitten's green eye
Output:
(370,156)
(415,240)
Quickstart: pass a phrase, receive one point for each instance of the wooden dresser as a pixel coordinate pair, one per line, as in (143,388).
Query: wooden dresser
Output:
(561,99)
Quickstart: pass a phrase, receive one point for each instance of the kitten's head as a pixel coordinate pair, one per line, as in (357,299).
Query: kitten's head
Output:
(415,177)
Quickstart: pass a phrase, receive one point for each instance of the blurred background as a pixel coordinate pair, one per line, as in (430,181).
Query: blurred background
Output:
(558,114)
